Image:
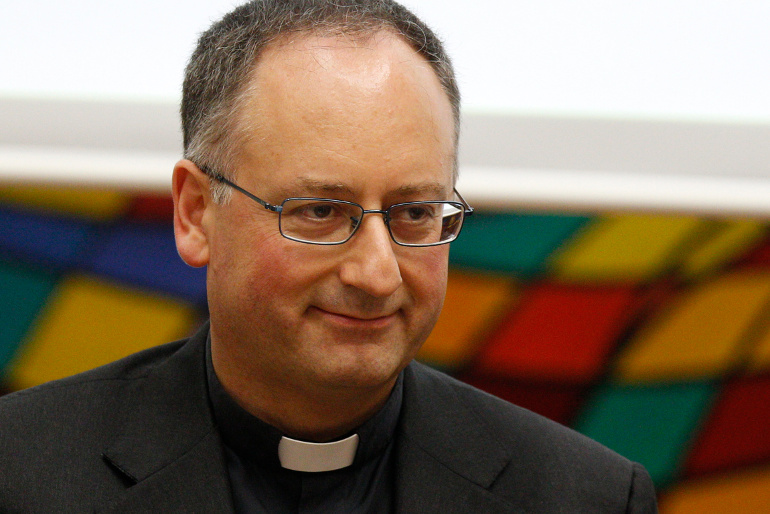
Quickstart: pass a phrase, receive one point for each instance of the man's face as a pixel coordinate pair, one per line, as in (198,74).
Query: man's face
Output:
(364,121)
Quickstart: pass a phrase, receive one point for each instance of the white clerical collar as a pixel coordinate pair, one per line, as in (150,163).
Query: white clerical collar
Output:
(314,457)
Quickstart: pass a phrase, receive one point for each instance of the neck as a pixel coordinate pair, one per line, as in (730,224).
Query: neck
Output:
(309,412)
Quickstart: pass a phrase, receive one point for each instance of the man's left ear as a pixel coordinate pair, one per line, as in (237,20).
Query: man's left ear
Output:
(190,190)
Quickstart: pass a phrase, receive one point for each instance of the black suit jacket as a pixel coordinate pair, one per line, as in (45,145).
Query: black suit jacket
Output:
(138,436)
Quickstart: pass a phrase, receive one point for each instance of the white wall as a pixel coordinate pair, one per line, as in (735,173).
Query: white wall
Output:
(689,59)
(636,90)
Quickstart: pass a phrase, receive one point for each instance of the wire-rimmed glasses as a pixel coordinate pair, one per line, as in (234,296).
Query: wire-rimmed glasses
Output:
(326,221)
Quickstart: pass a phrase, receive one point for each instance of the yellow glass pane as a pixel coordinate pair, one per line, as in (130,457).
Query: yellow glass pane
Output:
(472,305)
(729,240)
(740,493)
(627,248)
(759,358)
(97,204)
(700,336)
(88,323)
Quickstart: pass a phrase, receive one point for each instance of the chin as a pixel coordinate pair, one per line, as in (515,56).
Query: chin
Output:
(362,371)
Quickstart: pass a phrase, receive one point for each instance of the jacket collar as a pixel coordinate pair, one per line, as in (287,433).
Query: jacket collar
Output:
(447,457)
(169,446)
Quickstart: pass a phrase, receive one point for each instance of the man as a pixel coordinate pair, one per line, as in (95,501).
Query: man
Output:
(318,188)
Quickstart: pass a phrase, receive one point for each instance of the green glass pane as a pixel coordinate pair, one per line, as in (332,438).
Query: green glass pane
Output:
(509,242)
(22,293)
(652,425)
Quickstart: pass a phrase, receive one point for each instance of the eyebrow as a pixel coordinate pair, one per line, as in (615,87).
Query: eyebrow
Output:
(421,189)
(311,186)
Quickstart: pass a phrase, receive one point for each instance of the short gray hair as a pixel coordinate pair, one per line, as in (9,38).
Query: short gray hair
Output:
(217,76)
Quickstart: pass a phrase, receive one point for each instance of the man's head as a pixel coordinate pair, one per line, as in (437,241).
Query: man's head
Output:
(218,75)
(359,116)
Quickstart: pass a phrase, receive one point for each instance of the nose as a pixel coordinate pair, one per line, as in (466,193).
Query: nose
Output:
(370,263)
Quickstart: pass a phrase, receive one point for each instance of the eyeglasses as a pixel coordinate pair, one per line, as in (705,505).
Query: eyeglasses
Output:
(325,221)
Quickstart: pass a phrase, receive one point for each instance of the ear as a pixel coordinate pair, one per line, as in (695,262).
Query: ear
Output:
(190,190)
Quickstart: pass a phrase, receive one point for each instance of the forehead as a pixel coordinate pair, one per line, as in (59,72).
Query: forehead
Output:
(358,59)
(362,100)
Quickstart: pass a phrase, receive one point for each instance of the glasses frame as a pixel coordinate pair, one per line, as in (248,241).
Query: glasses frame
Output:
(462,205)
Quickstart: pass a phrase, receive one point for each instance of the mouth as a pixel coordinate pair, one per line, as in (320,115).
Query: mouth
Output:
(350,320)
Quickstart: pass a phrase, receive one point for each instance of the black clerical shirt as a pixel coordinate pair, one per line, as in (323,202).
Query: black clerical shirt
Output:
(261,486)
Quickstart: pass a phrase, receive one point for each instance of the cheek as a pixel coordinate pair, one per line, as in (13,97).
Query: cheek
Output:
(246,263)
(426,276)
(285,273)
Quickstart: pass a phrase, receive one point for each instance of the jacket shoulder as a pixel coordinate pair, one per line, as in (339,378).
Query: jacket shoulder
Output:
(546,463)
(509,423)
(55,433)
(81,390)
(131,367)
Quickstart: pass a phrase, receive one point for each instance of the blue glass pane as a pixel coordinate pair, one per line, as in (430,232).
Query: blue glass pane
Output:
(144,255)
(52,240)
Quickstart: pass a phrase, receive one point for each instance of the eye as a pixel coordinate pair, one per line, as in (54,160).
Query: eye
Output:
(313,211)
(417,212)
(320,210)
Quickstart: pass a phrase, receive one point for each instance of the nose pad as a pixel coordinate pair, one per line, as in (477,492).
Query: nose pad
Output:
(356,221)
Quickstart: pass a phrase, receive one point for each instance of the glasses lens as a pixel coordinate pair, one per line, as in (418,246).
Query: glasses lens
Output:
(319,221)
(426,223)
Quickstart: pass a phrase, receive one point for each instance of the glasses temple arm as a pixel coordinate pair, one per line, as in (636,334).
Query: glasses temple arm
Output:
(219,178)
(468,209)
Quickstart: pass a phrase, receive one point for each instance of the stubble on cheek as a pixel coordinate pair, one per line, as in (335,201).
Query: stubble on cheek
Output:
(426,277)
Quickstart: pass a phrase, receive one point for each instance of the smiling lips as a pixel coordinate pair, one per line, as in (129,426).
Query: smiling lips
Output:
(356,320)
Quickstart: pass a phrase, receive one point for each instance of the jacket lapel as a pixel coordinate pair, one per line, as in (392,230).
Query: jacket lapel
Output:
(169,447)
(171,451)
(446,459)
(195,482)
